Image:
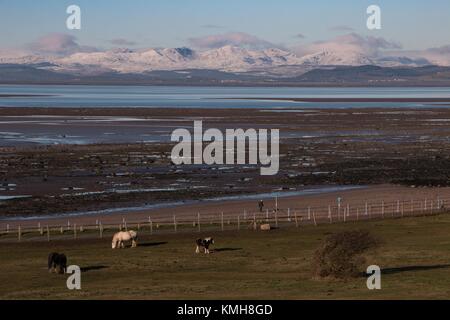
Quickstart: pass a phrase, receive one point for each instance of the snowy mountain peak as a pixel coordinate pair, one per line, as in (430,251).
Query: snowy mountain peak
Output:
(336,58)
(227,58)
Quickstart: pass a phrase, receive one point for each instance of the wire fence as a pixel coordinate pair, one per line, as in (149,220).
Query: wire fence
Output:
(218,221)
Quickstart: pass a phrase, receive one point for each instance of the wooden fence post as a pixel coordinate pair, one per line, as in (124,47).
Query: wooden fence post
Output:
(101,230)
(382,208)
(19,233)
(295,217)
(276,219)
(267,215)
(239,223)
(74,230)
(314,218)
(221,220)
(175,223)
(329,214)
(198,221)
(150,222)
(309,213)
(289,214)
(7,228)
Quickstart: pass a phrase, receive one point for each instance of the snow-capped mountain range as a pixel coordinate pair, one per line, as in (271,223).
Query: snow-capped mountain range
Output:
(227,58)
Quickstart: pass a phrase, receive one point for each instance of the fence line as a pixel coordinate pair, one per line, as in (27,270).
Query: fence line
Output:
(279,217)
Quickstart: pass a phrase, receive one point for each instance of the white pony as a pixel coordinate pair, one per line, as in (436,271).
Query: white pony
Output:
(121,236)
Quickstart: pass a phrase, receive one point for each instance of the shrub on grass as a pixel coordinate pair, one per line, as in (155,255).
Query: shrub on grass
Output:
(340,255)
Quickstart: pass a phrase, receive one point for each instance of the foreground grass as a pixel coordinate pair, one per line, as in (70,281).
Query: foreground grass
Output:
(415,262)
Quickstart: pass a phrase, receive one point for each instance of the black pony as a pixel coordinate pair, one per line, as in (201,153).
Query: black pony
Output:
(57,262)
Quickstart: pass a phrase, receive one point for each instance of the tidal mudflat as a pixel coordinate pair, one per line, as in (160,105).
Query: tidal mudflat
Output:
(113,165)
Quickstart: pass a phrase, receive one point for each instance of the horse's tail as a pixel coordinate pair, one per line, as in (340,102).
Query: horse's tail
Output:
(51,258)
(63,263)
(114,240)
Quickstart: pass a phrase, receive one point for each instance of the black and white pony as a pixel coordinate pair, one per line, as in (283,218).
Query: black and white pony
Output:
(57,262)
(204,243)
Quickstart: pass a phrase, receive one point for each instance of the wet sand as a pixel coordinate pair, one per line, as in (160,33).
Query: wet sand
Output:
(326,147)
(373,195)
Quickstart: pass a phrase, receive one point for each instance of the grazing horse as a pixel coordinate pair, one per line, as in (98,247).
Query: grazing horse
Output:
(121,236)
(205,243)
(56,260)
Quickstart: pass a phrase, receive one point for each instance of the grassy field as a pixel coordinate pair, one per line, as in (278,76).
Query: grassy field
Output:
(415,262)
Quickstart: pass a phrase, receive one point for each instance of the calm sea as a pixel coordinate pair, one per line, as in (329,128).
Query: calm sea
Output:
(205,97)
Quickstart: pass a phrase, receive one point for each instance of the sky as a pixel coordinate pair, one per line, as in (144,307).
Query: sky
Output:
(413,25)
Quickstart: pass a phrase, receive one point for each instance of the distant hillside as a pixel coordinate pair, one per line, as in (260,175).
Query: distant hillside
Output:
(371,74)
(19,73)
(44,73)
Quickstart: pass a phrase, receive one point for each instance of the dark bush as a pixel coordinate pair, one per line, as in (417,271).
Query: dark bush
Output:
(340,255)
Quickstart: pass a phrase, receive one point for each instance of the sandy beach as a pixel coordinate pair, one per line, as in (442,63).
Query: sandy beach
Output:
(57,161)
(231,208)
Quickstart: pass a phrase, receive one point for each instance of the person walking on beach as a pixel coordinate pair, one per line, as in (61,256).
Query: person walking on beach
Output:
(261,205)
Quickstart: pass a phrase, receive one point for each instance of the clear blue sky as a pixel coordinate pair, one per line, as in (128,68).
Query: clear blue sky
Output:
(169,23)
